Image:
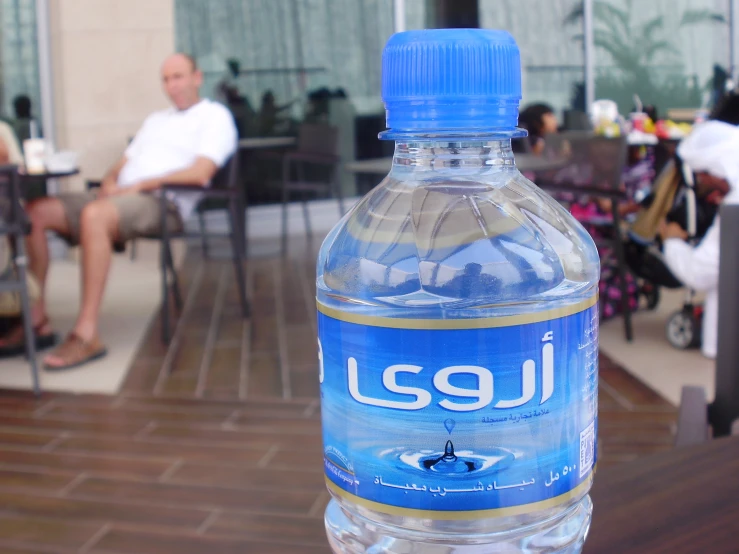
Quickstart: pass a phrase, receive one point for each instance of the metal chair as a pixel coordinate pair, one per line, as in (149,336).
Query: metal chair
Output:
(225,186)
(595,169)
(317,151)
(15,226)
(699,420)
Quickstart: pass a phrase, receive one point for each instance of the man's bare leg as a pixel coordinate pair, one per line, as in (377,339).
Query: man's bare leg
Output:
(98,229)
(45,214)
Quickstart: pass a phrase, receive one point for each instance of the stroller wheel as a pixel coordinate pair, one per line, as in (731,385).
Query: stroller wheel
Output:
(683,329)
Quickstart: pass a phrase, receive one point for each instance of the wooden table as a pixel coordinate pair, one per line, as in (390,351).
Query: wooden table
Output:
(683,501)
(524,162)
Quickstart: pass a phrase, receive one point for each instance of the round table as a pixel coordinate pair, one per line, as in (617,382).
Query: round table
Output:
(682,501)
(41,179)
(49,174)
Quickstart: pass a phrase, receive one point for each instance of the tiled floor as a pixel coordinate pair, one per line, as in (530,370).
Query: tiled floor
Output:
(213,444)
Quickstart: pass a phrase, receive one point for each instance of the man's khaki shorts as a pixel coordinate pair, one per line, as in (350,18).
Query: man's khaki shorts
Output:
(139,214)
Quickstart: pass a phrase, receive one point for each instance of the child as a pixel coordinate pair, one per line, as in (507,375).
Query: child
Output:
(539,120)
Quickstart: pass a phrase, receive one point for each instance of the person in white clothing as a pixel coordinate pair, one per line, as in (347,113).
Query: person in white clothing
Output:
(185,144)
(712,152)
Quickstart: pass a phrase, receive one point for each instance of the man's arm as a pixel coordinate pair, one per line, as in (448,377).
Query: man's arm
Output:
(695,266)
(198,174)
(110,180)
(4,154)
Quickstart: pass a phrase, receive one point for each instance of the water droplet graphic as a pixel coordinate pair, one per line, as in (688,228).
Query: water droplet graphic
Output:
(449,425)
(449,463)
(452,462)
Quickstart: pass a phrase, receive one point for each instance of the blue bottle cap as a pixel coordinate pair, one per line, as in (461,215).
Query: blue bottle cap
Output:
(451,79)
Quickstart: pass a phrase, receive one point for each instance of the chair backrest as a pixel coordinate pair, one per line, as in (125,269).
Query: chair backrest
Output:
(576,120)
(521,145)
(318,138)
(227,176)
(12,217)
(595,162)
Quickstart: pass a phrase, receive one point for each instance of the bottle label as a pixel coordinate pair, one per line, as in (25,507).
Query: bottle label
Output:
(463,418)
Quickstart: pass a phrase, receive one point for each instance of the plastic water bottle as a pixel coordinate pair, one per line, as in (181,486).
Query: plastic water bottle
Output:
(458,326)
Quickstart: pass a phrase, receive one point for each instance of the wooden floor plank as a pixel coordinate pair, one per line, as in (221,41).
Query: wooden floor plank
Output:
(202,497)
(124,466)
(122,541)
(245,454)
(100,511)
(46,532)
(307,530)
(247,477)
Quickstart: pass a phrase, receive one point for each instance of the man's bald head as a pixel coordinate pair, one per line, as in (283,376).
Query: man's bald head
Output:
(181,79)
(179,58)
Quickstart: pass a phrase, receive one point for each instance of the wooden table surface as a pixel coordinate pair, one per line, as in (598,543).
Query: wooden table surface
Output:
(684,501)
(213,442)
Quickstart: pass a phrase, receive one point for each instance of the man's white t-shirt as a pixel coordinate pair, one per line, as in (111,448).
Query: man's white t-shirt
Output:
(171,140)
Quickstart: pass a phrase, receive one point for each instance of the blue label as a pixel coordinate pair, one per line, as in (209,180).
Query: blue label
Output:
(459,418)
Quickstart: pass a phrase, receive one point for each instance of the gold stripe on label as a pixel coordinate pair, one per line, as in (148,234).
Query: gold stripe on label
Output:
(470,323)
(579,490)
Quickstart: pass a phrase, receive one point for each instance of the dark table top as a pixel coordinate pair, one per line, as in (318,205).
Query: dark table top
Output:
(683,501)
(49,174)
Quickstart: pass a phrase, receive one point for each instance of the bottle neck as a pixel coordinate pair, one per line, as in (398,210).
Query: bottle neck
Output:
(467,156)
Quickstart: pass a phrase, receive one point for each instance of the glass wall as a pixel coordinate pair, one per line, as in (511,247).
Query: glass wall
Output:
(551,52)
(277,64)
(669,52)
(19,71)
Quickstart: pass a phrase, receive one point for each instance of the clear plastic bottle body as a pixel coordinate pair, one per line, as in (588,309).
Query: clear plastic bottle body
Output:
(456,232)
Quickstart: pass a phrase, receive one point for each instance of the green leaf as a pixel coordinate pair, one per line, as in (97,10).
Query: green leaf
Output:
(651,26)
(606,13)
(577,13)
(692,17)
(625,58)
(660,46)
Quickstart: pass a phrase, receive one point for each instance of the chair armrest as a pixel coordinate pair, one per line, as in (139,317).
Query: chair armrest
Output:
(206,192)
(175,187)
(692,423)
(585,190)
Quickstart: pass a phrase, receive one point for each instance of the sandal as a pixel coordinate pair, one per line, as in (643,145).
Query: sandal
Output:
(15,339)
(76,351)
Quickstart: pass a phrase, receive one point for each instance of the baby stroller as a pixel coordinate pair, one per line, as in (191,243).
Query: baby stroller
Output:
(673,198)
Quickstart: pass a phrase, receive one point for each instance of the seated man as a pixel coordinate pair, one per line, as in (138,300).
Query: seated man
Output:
(185,144)
(711,152)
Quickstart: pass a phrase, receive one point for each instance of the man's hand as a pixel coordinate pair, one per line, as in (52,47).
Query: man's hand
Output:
(107,187)
(142,186)
(671,231)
